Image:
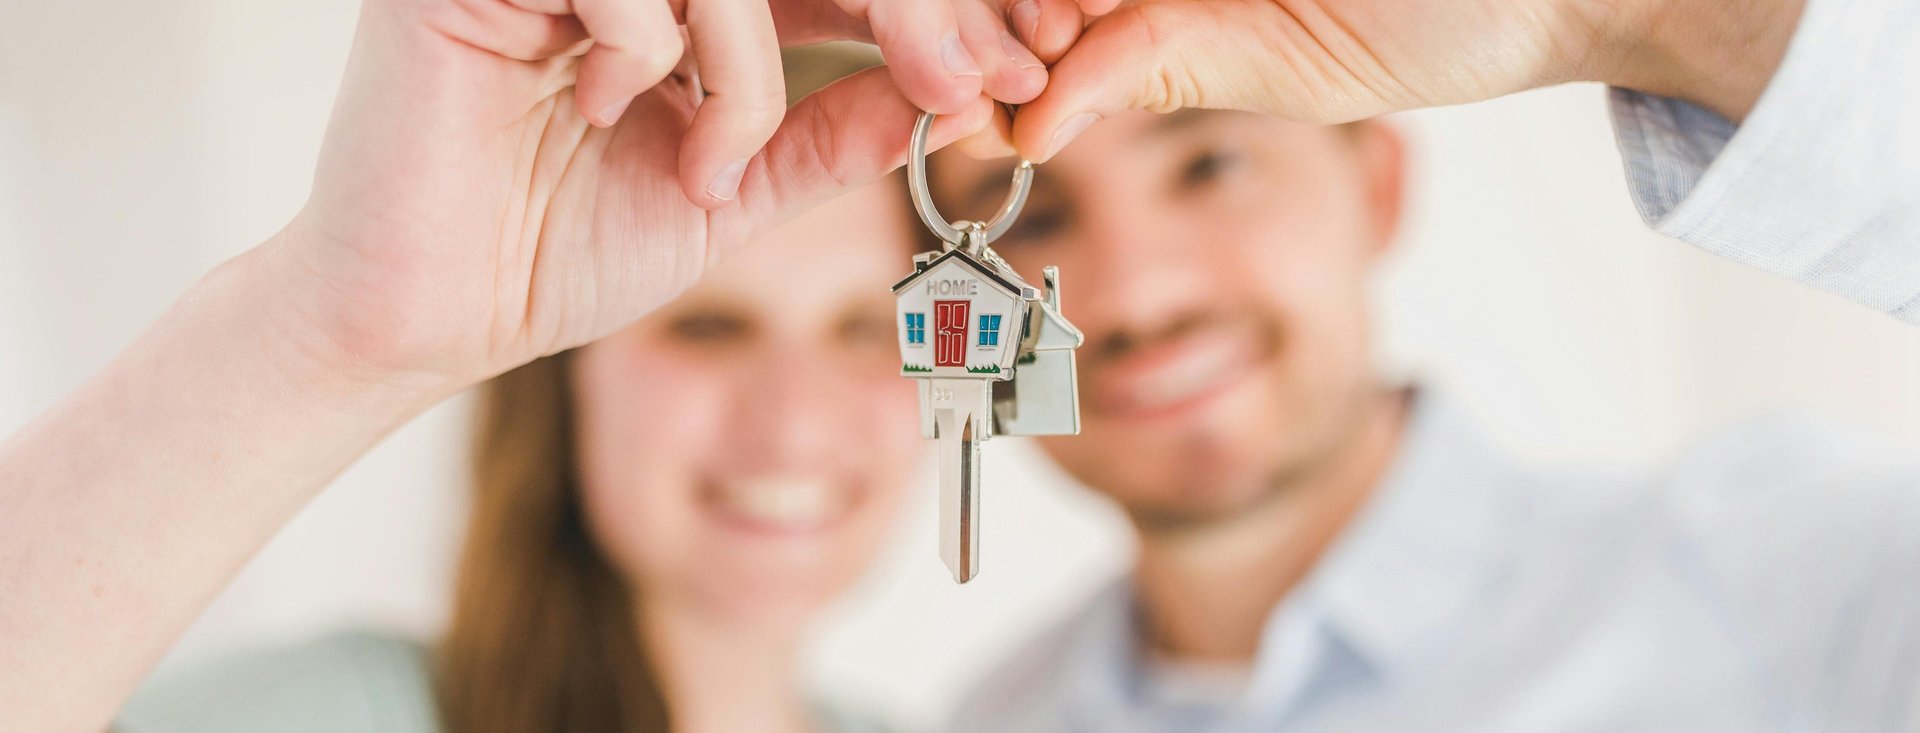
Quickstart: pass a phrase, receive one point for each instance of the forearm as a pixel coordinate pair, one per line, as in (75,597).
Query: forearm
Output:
(128,506)
(1718,55)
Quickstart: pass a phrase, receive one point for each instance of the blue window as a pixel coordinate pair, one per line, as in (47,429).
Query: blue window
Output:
(916,328)
(989,330)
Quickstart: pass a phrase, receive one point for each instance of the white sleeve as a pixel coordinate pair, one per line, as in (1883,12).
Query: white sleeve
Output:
(1821,183)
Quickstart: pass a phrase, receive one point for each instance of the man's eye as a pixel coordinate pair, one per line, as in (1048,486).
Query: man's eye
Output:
(1207,166)
(708,328)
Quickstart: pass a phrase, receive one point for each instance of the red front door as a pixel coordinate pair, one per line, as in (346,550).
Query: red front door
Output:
(950,333)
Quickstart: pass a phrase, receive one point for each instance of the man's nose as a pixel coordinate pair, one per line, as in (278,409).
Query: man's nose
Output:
(1143,268)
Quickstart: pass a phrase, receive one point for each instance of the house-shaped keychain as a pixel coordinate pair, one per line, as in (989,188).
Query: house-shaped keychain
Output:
(994,357)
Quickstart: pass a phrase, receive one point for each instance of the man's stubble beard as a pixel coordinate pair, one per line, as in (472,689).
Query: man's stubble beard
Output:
(1289,474)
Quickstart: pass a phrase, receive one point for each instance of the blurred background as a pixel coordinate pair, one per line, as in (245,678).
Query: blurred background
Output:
(141,143)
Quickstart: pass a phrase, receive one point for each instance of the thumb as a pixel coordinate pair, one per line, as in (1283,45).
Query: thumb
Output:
(838,139)
(1159,57)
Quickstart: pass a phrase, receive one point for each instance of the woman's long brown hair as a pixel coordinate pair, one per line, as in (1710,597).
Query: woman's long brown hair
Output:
(543,635)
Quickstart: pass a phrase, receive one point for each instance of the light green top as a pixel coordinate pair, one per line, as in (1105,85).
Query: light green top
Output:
(341,683)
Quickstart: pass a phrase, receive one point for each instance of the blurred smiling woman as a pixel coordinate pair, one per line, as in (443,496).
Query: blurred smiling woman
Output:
(663,506)
(659,515)
(729,466)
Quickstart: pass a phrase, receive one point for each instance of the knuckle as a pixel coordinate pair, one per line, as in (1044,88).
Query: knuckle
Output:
(1168,85)
(1157,24)
(658,55)
(763,112)
(452,19)
(822,145)
(1171,88)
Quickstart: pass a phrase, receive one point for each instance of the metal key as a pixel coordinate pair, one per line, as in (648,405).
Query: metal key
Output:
(968,323)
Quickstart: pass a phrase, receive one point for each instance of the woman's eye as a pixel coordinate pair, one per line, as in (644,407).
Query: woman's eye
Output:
(708,328)
(865,331)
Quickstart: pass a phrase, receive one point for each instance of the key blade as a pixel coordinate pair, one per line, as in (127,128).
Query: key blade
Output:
(960,493)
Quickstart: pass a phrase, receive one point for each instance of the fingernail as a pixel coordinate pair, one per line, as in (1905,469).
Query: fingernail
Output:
(1068,131)
(613,111)
(1017,53)
(1026,19)
(956,58)
(726,183)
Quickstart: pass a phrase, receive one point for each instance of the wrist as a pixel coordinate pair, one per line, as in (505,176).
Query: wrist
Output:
(1715,54)
(297,326)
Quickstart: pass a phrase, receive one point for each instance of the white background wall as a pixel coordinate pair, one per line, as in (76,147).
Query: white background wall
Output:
(140,143)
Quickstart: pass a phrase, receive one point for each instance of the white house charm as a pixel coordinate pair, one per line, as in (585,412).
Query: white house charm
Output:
(960,319)
(992,354)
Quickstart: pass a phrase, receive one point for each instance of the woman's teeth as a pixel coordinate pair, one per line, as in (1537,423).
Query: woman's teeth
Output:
(780,503)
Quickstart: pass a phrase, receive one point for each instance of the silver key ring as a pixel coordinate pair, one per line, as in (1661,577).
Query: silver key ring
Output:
(956,232)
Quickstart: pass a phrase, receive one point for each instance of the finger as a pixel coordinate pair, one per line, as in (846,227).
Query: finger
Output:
(1097,7)
(550,7)
(837,139)
(1160,58)
(517,33)
(738,56)
(1047,27)
(635,44)
(993,141)
(805,23)
(1011,73)
(920,40)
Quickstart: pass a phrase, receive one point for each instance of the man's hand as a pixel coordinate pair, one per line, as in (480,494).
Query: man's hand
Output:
(1342,60)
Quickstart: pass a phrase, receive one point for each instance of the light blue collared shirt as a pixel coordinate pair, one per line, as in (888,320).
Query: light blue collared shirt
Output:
(1767,580)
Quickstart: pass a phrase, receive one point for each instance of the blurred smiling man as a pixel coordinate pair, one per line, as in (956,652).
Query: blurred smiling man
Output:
(1320,550)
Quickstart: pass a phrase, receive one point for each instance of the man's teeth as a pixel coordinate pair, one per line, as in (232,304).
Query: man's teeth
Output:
(790,504)
(1184,379)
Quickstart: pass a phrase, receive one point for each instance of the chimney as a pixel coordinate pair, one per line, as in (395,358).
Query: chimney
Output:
(1050,276)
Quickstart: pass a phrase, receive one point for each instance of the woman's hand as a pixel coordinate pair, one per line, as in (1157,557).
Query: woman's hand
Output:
(497,183)
(1342,60)
(503,180)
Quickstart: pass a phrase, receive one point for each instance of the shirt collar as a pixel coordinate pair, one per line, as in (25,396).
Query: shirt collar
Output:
(1427,545)
(1104,654)
(1406,571)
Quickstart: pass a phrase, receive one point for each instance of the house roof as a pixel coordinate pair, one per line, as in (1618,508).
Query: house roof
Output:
(1005,280)
(1056,332)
